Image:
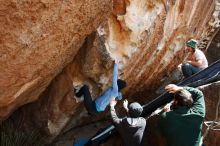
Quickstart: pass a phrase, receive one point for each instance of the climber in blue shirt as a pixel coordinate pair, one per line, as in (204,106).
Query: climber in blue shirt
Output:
(100,103)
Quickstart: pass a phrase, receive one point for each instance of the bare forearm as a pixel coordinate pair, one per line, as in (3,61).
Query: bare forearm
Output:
(194,63)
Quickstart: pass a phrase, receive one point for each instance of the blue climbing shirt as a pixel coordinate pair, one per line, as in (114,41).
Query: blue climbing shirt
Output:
(103,101)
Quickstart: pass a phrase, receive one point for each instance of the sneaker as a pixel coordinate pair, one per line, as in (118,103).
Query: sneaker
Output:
(76,90)
(79,99)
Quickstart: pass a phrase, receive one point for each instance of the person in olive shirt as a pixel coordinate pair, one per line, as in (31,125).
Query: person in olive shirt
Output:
(130,128)
(182,126)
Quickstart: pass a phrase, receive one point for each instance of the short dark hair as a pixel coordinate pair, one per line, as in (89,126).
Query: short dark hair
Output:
(121,84)
(184,98)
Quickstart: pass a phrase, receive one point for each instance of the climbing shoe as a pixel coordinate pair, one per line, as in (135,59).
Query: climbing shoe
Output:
(78,93)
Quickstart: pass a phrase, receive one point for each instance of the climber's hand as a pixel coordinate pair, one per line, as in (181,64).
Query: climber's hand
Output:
(116,61)
(113,102)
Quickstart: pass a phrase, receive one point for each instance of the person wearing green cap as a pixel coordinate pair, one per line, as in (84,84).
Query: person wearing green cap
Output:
(195,61)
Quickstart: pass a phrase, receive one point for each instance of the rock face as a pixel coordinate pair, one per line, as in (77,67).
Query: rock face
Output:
(38,38)
(213,52)
(53,45)
(56,110)
(212,100)
(150,36)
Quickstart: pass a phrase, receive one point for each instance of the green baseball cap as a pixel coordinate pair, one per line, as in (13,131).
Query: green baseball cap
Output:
(192,43)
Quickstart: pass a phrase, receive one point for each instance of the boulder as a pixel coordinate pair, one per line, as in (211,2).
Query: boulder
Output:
(38,39)
(54,46)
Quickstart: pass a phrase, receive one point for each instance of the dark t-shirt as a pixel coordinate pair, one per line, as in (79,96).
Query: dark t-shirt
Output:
(130,129)
(182,126)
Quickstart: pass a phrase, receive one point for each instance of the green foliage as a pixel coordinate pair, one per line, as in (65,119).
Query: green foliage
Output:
(13,135)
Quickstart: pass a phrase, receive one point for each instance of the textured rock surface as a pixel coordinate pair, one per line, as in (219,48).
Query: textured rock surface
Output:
(213,53)
(146,36)
(38,38)
(212,99)
(149,37)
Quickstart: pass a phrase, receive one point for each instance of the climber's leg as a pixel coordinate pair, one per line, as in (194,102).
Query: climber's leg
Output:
(88,102)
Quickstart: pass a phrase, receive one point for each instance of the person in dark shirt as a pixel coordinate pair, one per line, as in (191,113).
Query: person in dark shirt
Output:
(130,128)
(182,126)
(101,102)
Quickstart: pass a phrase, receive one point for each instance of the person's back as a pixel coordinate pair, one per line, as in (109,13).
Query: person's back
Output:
(103,101)
(199,55)
(183,125)
(130,128)
(180,128)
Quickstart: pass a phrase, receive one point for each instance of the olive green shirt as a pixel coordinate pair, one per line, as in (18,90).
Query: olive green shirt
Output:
(183,125)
